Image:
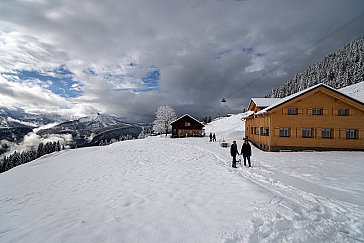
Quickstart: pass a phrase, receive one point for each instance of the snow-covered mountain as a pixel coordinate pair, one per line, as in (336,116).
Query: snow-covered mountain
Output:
(339,69)
(16,117)
(15,124)
(184,190)
(94,129)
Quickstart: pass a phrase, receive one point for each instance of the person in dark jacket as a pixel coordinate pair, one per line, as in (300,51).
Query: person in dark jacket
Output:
(246,151)
(210,137)
(234,152)
(214,137)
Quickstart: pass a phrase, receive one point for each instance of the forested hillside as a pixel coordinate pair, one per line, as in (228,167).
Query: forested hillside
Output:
(340,69)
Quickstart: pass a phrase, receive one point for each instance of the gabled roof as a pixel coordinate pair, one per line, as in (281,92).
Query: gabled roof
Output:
(247,114)
(188,116)
(264,102)
(295,95)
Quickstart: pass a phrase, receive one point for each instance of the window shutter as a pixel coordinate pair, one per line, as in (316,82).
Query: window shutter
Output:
(335,133)
(351,112)
(318,132)
(325,111)
(285,111)
(276,132)
(309,111)
(300,112)
(342,133)
(335,112)
(299,132)
(361,134)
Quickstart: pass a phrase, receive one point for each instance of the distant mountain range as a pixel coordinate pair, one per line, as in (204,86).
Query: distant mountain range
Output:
(16,117)
(15,123)
(339,69)
(92,130)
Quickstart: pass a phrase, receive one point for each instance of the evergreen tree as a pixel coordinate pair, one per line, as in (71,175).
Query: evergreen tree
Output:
(58,148)
(40,150)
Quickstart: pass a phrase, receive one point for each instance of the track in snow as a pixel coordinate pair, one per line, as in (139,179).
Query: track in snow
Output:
(293,214)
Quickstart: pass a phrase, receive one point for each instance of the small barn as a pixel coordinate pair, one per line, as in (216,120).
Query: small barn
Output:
(187,126)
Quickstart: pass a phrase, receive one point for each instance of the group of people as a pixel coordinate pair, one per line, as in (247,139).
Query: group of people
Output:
(246,151)
(212,137)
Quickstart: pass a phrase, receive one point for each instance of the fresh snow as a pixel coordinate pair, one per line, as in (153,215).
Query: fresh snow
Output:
(355,90)
(264,102)
(184,190)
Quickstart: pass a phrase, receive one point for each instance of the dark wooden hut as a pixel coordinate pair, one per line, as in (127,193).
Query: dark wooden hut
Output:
(187,126)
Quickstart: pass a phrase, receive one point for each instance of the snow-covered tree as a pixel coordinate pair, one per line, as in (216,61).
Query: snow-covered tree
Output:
(339,69)
(164,116)
(141,135)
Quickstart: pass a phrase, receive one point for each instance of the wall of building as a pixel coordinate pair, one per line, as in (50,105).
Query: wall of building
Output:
(253,130)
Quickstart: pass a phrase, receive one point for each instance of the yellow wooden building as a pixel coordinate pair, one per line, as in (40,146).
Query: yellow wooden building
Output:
(317,118)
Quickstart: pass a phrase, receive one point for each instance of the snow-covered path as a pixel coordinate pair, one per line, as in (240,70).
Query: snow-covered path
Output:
(318,196)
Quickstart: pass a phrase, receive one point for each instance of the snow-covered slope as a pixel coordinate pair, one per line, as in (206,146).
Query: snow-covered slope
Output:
(227,127)
(184,190)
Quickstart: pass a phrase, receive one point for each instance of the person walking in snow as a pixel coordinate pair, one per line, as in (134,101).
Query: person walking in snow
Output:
(246,151)
(234,152)
(214,138)
(210,137)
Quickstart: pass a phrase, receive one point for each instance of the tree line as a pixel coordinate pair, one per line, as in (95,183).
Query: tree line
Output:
(206,119)
(338,70)
(18,158)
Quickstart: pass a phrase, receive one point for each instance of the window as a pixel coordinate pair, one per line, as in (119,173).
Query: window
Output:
(307,132)
(187,124)
(265,131)
(343,112)
(251,130)
(351,133)
(256,130)
(317,111)
(284,132)
(326,133)
(292,111)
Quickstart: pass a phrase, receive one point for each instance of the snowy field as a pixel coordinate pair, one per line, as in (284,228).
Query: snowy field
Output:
(184,190)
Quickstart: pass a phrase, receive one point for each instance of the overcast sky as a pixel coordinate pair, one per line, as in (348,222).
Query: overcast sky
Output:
(127,58)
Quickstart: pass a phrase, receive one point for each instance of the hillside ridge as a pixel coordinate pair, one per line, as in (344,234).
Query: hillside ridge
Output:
(338,70)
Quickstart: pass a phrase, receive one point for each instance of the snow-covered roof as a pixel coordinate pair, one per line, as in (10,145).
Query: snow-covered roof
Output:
(292,96)
(355,90)
(188,116)
(247,114)
(264,102)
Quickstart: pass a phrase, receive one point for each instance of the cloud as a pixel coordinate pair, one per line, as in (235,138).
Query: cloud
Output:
(16,94)
(32,140)
(129,57)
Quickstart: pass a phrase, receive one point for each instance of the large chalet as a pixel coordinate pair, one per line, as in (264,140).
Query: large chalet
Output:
(317,118)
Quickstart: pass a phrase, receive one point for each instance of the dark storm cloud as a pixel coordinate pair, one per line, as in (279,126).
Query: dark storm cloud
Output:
(204,50)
